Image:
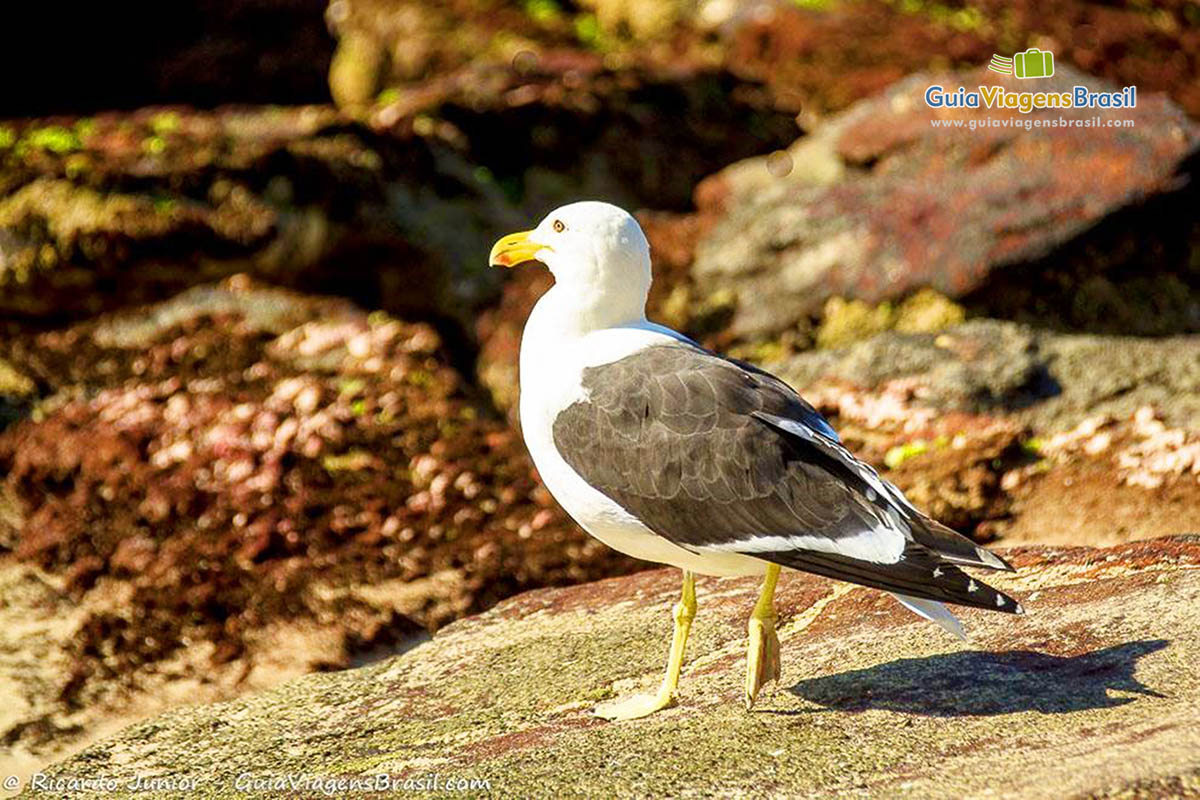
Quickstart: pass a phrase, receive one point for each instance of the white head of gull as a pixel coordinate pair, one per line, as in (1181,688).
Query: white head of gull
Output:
(600,260)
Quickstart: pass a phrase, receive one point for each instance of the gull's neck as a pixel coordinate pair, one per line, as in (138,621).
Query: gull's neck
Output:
(556,343)
(569,312)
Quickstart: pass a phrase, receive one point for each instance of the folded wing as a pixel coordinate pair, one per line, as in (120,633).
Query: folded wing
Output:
(713,454)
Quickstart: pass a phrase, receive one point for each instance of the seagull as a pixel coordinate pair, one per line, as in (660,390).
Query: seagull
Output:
(671,453)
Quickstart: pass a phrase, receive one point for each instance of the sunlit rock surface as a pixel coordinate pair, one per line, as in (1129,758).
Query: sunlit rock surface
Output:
(1092,693)
(880,203)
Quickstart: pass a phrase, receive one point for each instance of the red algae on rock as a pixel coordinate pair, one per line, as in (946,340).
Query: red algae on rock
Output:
(241,455)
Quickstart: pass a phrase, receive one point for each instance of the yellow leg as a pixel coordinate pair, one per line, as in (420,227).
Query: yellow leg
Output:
(643,705)
(762,656)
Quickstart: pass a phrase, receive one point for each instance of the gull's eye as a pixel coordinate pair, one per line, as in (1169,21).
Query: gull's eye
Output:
(558,226)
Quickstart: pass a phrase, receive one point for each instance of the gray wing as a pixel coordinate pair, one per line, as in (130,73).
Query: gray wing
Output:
(715,454)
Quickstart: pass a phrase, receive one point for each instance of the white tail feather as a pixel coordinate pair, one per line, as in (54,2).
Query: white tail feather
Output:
(933,611)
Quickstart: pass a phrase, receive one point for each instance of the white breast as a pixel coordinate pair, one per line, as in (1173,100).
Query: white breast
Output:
(551,366)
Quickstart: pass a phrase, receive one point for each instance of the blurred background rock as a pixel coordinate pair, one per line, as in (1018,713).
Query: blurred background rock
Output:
(256,380)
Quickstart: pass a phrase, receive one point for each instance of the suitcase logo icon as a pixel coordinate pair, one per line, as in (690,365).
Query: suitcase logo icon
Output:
(1032,63)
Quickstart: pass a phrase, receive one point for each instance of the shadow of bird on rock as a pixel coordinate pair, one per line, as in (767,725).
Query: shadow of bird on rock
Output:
(981,683)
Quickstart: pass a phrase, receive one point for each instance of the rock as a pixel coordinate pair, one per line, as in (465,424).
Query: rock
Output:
(17,390)
(122,209)
(385,43)
(564,126)
(800,52)
(795,51)
(1089,694)
(1117,376)
(1049,380)
(1138,474)
(976,366)
(206,477)
(1022,436)
(546,116)
(805,49)
(995,218)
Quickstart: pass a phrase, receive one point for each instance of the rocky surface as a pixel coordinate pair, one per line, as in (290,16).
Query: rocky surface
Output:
(992,477)
(880,203)
(200,479)
(1090,694)
(391,44)
(554,128)
(236,484)
(1051,381)
(119,209)
(799,50)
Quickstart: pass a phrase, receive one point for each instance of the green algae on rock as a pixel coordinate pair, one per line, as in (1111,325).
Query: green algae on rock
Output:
(147,203)
(844,322)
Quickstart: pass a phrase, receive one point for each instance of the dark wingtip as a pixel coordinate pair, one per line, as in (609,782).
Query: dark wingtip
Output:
(1007,603)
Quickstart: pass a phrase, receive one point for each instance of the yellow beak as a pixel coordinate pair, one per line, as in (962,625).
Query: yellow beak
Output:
(514,249)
